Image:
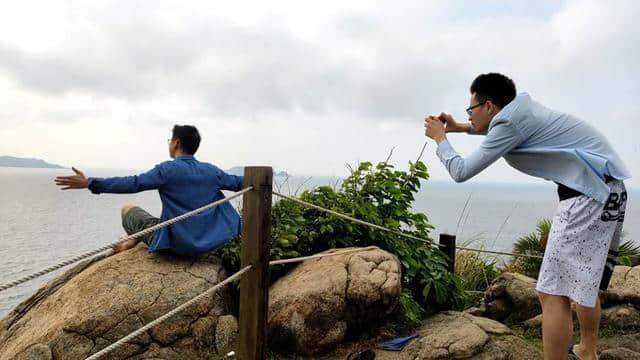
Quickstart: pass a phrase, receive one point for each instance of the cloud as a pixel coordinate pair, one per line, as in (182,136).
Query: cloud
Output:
(236,69)
(311,69)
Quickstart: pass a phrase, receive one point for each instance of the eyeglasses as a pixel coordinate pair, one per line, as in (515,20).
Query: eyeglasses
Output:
(474,106)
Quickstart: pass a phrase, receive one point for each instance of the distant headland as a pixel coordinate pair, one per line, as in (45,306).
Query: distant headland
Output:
(11,161)
(239,170)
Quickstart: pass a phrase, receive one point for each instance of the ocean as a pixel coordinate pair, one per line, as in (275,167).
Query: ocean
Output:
(41,225)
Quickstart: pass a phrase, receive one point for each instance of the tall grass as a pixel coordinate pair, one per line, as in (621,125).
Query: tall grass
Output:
(476,270)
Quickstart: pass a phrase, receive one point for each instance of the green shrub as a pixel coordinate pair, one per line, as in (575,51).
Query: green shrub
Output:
(532,244)
(380,195)
(629,253)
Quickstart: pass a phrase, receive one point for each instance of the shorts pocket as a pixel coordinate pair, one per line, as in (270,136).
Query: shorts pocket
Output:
(565,208)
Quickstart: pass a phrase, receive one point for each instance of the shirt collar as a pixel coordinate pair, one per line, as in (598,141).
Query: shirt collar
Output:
(185,157)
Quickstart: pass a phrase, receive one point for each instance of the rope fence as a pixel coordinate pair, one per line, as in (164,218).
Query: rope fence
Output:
(255,251)
(164,317)
(122,240)
(498,252)
(231,278)
(430,243)
(358,221)
(318,256)
(284,261)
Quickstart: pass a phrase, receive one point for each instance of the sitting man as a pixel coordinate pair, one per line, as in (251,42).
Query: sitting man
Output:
(184,184)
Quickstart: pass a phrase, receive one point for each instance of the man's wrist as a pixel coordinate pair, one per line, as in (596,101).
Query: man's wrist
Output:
(440,139)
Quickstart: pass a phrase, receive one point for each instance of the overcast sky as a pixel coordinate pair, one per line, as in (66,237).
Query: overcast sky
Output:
(303,86)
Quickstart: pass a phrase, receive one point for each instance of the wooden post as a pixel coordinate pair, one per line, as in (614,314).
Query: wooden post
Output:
(256,247)
(448,246)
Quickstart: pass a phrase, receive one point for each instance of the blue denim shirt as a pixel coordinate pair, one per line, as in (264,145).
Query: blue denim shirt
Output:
(184,184)
(544,143)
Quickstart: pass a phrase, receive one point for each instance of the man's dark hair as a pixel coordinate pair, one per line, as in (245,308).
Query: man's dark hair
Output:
(189,138)
(495,87)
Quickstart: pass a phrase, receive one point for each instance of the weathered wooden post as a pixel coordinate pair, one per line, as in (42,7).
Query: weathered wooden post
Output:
(448,246)
(256,247)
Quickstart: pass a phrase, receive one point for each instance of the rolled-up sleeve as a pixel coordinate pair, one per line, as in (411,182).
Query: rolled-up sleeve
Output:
(502,138)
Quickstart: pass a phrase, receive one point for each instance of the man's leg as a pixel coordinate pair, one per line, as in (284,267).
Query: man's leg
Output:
(125,209)
(589,319)
(126,224)
(557,326)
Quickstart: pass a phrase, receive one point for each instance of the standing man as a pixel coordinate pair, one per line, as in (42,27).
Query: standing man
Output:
(184,184)
(588,221)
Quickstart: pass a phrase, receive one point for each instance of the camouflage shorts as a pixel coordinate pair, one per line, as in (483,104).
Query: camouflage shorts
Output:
(137,219)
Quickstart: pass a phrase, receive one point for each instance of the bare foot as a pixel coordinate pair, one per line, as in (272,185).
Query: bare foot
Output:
(125,245)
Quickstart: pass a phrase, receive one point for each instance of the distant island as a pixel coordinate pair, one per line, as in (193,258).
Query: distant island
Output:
(239,170)
(11,161)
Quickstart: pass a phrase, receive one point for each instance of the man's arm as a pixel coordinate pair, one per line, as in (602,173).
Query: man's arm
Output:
(230,182)
(502,138)
(452,126)
(151,179)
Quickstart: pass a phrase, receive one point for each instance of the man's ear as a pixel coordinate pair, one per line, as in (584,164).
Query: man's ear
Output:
(493,109)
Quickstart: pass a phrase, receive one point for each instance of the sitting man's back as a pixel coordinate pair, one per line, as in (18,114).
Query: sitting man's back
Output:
(184,184)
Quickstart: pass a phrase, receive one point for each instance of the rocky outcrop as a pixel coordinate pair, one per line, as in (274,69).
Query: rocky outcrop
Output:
(98,302)
(454,335)
(512,298)
(624,286)
(625,316)
(620,317)
(622,347)
(619,354)
(313,306)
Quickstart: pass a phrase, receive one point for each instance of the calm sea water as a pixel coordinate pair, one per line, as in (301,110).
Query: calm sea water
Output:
(41,225)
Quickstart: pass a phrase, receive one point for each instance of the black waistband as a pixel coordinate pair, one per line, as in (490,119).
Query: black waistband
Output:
(565,192)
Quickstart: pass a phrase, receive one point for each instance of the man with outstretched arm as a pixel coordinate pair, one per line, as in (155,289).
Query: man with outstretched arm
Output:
(587,224)
(184,184)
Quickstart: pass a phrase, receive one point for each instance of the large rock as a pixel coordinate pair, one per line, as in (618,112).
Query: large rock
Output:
(455,335)
(619,354)
(624,286)
(312,307)
(512,298)
(100,301)
(621,347)
(623,317)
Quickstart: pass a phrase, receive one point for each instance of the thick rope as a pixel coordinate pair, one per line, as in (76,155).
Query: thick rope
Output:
(168,315)
(395,231)
(190,302)
(429,242)
(318,256)
(213,289)
(123,239)
(498,252)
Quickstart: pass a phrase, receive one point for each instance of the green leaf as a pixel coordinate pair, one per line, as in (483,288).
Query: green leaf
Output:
(426,290)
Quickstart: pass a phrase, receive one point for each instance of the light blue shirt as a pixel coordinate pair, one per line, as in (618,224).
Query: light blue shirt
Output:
(184,184)
(544,143)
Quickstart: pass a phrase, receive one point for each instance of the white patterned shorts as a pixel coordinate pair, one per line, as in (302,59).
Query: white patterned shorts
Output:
(583,234)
